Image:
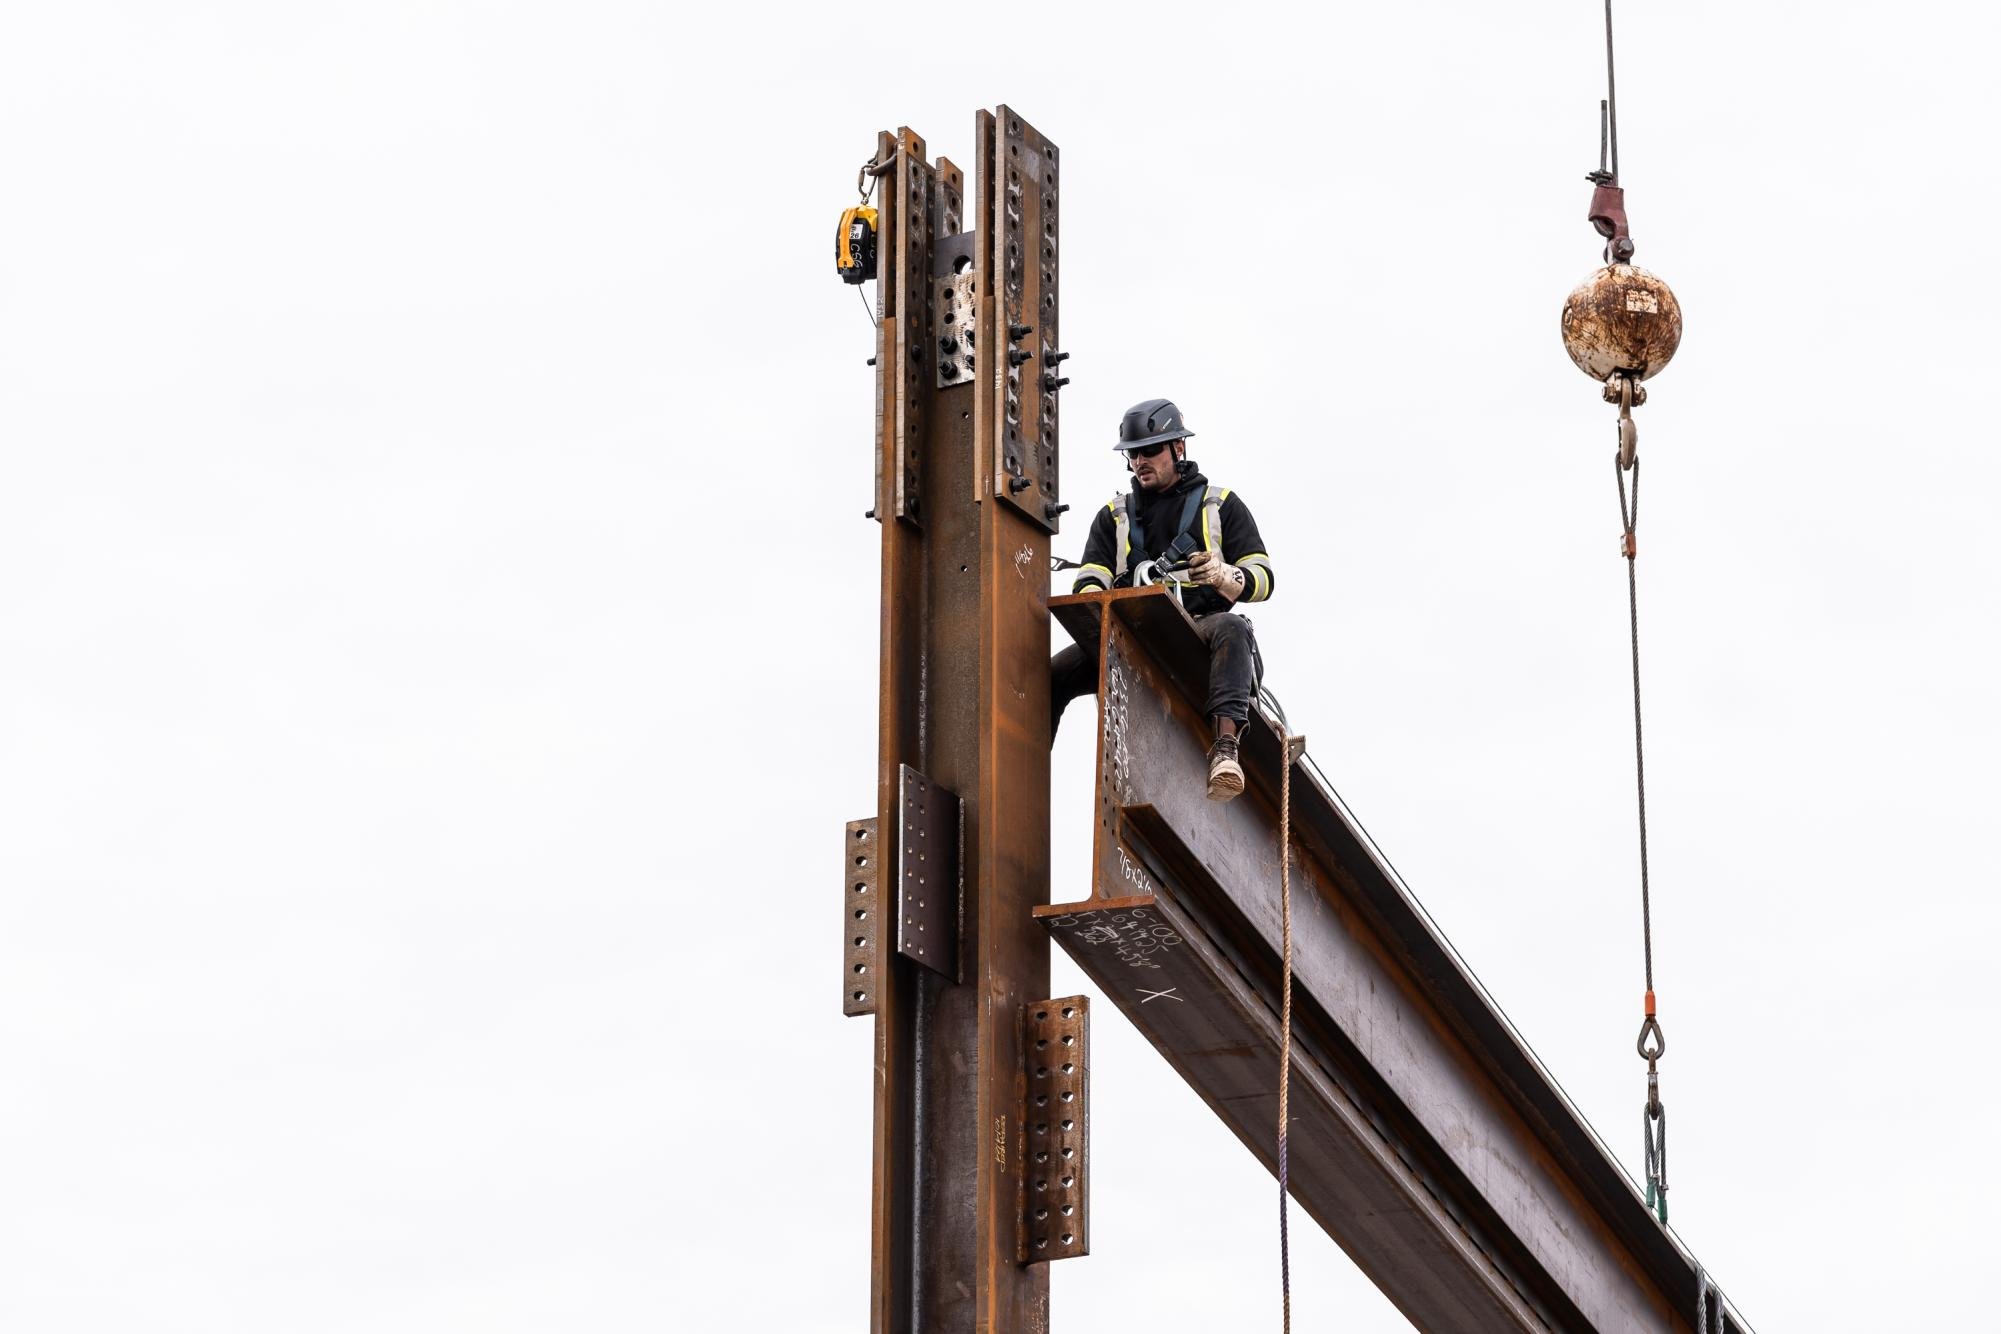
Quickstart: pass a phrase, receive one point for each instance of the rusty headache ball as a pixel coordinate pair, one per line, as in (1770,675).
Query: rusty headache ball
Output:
(1621,318)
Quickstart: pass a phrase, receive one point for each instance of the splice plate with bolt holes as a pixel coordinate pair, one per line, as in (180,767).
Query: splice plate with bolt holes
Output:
(860,911)
(927,874)
(1055,1214)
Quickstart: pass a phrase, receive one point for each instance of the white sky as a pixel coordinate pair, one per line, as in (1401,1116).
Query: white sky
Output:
(437,643)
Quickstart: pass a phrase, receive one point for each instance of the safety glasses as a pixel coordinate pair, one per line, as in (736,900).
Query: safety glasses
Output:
(1145,451)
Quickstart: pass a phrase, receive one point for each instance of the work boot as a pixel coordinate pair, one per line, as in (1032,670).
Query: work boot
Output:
(1226,776)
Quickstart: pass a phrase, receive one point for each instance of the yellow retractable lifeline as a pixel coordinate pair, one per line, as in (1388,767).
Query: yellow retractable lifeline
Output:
(854,245)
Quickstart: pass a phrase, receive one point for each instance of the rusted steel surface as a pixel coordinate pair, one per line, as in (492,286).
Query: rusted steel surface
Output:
(1055,1146)
(861,917)
(957,325)
(1184,989)
(1018,183)
(1621,319)
(1607,215)
(964,652)
(1426,1139)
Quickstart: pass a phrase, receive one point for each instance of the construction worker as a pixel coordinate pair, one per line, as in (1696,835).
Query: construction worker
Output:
(1175,526)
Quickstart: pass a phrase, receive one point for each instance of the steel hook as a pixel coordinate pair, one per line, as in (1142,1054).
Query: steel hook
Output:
(1629,434)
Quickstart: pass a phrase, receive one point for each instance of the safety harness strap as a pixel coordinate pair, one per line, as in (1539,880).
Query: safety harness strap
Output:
(1121,536)
(1212,518)
(1128,532)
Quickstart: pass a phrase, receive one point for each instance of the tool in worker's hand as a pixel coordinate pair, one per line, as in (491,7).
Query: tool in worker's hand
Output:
(1211,570)
(1168,569)
(1178,551)
(1170,564)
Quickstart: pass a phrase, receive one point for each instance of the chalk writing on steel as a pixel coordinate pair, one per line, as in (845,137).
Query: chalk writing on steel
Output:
(1134,874)
(1137,936)
(1118,705)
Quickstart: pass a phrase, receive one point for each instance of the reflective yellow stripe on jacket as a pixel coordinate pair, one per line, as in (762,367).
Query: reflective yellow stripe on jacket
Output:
(1257,568)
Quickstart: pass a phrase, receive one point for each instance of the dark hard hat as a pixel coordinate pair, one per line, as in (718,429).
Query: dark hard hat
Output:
(1151,422)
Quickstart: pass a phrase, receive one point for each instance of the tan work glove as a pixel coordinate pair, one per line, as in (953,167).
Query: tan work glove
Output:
(1212,571)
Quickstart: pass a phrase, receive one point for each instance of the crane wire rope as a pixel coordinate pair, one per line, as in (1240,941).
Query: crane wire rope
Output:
(1609,128)
(1629,515)
(1651,1043)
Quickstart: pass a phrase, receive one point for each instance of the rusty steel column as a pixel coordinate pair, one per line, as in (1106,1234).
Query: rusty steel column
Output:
(966,497)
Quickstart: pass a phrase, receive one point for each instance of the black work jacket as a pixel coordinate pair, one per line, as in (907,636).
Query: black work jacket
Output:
(1156,517)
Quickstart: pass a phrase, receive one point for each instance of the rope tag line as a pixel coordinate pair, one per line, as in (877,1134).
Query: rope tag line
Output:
(1290,749)
(1708,1304)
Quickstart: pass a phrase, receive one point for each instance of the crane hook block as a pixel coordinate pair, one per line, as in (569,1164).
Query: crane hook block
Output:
(854,245)
(1621,320)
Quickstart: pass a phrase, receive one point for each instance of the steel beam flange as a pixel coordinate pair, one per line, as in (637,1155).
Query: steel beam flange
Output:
(1055,1213)
(927,874)
(859,917)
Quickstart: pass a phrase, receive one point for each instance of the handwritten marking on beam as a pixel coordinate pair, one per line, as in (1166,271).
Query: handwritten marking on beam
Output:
(1137,935)
(1116,703)
(1160,995)
(1134,875)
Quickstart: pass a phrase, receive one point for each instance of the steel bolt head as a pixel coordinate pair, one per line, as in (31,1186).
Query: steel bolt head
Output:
(1621,318)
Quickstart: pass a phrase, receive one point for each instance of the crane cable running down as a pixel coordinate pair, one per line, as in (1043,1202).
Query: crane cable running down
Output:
(1621,326)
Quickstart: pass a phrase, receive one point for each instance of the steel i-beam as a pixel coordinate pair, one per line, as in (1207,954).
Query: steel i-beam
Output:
(1425,1138)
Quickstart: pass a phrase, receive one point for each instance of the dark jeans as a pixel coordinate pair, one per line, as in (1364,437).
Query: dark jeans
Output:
(1235,669)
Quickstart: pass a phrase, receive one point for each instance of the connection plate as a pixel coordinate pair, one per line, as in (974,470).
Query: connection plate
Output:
(956,323)
(927,874)
(859,917)
(1016,261)
(1055,1212)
